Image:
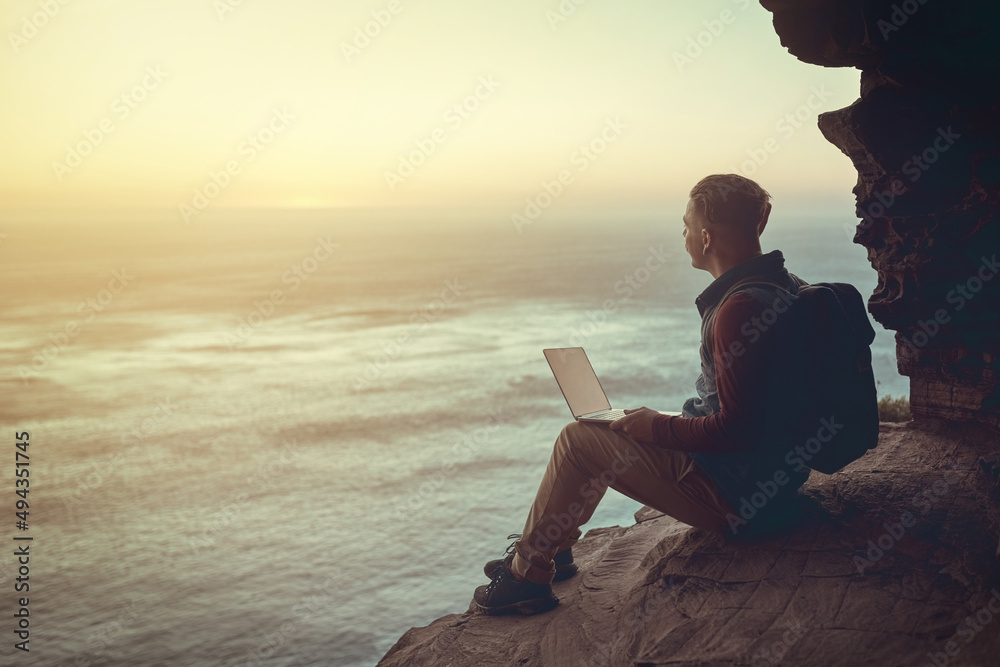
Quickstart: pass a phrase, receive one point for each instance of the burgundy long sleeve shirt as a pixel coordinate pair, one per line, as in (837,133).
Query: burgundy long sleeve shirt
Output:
(740,351)
(724,430)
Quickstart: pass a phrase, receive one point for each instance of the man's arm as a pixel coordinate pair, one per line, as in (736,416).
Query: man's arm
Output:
(741,373)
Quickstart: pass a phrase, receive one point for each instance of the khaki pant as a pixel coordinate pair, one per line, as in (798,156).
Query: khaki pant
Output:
(587,459)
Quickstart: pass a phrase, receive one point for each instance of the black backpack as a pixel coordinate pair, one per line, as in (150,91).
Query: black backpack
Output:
(822,408)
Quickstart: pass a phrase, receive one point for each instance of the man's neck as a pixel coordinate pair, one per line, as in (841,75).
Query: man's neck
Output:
(722,264)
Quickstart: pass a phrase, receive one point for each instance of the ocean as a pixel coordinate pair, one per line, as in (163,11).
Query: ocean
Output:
(285,437)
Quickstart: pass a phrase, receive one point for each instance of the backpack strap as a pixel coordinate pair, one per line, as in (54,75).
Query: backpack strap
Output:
(738,286)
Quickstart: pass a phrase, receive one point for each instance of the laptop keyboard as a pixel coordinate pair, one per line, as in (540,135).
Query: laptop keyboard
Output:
(607,414)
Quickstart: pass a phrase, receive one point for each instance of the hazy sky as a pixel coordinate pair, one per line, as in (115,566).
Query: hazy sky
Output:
(123,103)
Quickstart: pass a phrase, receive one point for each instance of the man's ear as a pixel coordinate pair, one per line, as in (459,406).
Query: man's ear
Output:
(706,240)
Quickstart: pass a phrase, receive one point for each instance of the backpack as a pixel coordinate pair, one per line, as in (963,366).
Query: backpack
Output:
(822,407)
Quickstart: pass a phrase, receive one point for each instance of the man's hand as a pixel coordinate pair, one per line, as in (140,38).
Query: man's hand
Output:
(637,424)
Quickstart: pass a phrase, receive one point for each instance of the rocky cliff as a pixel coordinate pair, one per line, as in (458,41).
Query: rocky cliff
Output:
(925,138)
(894,563)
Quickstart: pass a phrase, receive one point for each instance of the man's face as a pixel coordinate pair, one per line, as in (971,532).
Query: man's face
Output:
(694,224)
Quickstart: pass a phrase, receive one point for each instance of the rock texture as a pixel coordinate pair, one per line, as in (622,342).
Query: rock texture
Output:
(925,139)
(895,559)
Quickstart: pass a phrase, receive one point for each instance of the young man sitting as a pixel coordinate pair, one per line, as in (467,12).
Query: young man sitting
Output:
(697,467)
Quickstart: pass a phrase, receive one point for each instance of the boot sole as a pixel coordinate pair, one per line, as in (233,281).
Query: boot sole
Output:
(525,607)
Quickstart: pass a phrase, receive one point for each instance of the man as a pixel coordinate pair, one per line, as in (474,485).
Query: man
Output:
(697,468)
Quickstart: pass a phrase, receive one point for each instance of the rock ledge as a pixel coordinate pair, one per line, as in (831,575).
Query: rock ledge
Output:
(850,585)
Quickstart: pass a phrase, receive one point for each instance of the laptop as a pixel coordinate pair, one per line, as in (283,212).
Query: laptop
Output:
(580,386)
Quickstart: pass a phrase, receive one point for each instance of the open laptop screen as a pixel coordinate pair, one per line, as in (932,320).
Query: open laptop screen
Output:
(577,380)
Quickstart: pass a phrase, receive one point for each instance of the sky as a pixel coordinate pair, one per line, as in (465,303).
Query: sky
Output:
(187,104)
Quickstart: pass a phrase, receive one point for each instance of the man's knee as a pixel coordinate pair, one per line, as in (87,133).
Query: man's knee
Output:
(572,435)
(574,429)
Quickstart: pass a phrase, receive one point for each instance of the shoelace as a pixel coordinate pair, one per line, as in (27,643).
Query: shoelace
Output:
(515,537)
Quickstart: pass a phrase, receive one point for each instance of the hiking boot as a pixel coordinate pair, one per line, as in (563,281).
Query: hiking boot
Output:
(506,595)
(565,567)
